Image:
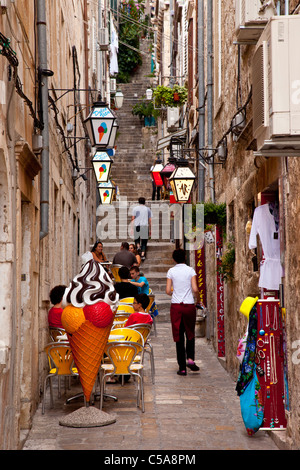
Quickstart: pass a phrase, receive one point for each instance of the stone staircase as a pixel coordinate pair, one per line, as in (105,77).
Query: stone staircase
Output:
(135,144)
(135,154)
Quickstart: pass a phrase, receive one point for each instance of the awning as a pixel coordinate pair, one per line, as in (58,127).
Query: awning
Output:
(165,141)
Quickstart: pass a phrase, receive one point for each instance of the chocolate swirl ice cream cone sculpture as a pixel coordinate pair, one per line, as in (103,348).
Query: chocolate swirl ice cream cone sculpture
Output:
(90,302)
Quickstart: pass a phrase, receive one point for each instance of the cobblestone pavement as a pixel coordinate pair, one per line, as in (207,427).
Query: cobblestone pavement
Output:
(200,411)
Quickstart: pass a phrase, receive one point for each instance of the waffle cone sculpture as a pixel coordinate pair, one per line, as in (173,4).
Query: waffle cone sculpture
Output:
(88,319)
(88,344)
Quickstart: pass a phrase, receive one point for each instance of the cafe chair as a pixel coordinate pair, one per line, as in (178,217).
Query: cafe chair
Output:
(127,300)
(114,269)
(145,330)
(121,355)
(124,308)
(120,320)
(62,365)
(152,299)
(56,333)
(128,334)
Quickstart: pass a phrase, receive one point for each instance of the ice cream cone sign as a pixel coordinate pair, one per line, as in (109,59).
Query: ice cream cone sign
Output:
(102,170)
(102,130)
(90,301)
(105,195)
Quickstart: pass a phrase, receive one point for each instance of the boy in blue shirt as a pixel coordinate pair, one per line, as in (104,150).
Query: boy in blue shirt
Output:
(140,281)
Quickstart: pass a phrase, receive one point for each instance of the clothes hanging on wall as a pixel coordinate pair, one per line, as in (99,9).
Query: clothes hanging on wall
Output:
(266,225)
(114,49)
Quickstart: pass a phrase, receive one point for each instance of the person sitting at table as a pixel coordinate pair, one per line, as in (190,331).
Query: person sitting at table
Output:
(140,303)
(132,248)
(124,256)
(54,314)
(139,281)
(125,288)
(97,252)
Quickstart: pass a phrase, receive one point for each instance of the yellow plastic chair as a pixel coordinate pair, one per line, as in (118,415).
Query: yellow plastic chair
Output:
(114,269)
(121,355)
(127,300)
(55,334)
(152,298)
(145,330)
(120,320)
(124,308)
(62,365)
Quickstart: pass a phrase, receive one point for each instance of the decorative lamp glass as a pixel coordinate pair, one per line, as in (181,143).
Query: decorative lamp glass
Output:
(102,165)
(106,191)
(181,182)
(112,139)
(166,172)
(119,97)
(99,124)
(155,173)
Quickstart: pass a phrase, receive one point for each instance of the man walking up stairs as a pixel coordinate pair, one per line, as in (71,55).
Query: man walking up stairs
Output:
(134,156)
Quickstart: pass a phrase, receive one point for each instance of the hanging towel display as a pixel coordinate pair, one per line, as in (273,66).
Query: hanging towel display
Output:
(252,407)
(248,364)
(248,387)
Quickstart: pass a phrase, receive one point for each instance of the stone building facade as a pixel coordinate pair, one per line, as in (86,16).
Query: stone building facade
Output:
(222,81)
(52,67)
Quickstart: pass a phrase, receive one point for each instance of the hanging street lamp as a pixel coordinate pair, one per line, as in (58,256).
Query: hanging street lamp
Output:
(102,165)
(182,181)
(99,124)
(149,94)
(167,171)
(119,97)
(106,191)
(155,171)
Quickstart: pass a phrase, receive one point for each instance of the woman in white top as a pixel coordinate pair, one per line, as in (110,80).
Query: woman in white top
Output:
(182,286)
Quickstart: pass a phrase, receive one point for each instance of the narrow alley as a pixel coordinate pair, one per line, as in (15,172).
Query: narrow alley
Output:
(198,412)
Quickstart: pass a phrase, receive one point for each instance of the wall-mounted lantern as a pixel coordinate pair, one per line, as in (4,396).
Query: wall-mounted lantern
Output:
(167,171)
(119,97)
(102,165)
(182,181)
(106,191)
(155,173)
(99,124)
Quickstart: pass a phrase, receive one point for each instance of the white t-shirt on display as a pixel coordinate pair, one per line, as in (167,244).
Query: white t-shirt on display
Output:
(181,276)
(263,224)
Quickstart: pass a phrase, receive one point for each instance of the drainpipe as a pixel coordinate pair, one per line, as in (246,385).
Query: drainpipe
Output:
(210,97)
(287,7)
(201,109)
(100,72)
(43,74)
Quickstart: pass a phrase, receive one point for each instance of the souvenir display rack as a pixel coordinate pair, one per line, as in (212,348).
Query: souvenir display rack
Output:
(270,365)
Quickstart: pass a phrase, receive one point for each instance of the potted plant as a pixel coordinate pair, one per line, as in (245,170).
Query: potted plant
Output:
(226,267)
(170,97)
(145,110)
(215,214)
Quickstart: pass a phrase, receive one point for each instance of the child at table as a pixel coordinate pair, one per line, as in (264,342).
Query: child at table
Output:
(141,302)
(54,314)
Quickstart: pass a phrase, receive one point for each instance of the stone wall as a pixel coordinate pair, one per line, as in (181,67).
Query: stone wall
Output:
(239,182)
